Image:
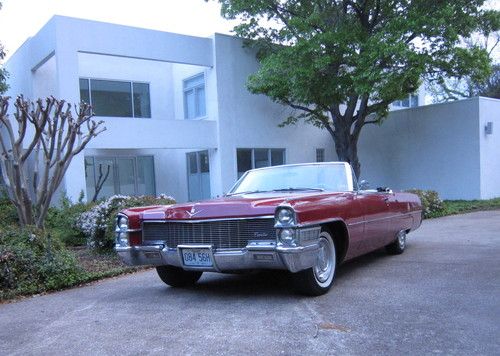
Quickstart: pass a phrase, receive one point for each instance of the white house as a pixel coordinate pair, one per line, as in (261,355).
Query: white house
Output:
(180,120)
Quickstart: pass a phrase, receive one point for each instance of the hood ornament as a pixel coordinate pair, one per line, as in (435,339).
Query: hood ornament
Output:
(193,212)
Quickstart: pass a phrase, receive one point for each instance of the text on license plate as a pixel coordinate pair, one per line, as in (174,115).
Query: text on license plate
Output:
(196,257)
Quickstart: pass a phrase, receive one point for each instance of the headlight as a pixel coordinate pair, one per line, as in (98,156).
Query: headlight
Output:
(285,217)
(287,237)
(121,230)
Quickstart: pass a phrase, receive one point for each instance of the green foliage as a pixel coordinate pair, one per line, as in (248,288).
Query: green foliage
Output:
(33,262)
(452,207)
(340,64)
(491,88)
(323,52)
(8,213)
(61,221)
(432,205)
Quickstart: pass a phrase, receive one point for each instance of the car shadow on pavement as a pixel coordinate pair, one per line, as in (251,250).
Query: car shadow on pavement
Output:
(267,283)
(352,267)
(260,283)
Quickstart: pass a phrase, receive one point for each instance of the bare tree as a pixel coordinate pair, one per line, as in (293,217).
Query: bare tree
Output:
(47,131)
(101,179)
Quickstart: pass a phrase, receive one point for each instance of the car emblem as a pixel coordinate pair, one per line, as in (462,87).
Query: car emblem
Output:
(260,234)
(193,212)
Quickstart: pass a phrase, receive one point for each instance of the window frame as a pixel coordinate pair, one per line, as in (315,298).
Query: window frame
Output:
(131,86)
(194,89)
(116,173)
(252,157)
(399,103)
(322,153)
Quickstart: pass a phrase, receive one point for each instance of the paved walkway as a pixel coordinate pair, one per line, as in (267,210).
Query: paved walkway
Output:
(441,296)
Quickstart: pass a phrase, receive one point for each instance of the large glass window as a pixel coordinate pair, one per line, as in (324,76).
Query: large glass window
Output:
(119,175)
(194,97)
(116,98)
(409,102)
(320,154)
(250,158)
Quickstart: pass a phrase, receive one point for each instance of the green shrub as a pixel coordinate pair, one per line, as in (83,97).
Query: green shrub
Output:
(98,223)
(432,205)
(33,262)
(8,212)
(61,221)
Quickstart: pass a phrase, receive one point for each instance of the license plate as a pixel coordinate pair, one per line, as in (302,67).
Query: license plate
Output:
(197,257)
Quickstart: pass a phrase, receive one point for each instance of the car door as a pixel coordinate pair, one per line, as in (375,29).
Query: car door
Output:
(401,219)
(377,218)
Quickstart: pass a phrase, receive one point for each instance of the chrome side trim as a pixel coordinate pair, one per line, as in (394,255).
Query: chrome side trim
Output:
(318,222)
(380,219)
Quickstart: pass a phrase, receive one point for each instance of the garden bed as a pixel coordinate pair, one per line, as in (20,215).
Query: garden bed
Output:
(99,265)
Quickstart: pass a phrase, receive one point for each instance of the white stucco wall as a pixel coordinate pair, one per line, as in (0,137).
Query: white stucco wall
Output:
(44,79)
(251,121)
(429,147)
(20,81)
(489,111)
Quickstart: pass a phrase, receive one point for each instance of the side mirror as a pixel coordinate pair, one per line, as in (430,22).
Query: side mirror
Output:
(364,185)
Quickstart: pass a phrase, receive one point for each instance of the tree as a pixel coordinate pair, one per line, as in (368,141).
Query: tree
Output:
(487,38)
(47,131)
(3,72)
(101,179)
(338,64)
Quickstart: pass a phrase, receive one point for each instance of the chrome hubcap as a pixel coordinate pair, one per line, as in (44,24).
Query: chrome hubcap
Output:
(325,264)
(402,239)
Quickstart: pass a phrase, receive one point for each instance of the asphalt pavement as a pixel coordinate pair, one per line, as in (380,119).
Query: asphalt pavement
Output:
(442,296)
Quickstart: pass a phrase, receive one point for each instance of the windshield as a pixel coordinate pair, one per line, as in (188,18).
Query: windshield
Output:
(331,177)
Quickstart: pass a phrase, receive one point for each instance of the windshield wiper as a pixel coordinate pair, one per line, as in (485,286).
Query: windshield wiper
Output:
(290,189)
(248,192)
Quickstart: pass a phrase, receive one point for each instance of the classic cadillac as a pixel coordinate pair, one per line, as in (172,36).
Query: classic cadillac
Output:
(304,218)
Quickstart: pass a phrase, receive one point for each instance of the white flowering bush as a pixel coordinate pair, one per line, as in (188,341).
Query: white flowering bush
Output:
(97,224)
(431,203)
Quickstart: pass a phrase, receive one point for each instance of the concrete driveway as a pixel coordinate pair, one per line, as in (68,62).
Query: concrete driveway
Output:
(441,296)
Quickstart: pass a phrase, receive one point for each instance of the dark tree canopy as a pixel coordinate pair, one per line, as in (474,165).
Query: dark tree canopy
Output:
(340,63)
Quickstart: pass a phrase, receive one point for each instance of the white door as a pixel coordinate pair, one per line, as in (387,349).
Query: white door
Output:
(198,175)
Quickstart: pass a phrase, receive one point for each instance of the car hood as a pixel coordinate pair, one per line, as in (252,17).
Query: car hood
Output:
(259,204)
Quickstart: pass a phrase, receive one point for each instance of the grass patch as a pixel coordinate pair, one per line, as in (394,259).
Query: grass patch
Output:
(453,207)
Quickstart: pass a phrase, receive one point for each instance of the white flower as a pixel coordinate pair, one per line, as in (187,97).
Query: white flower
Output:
(93,223)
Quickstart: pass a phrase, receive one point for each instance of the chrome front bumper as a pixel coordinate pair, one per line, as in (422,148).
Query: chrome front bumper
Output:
(256,255)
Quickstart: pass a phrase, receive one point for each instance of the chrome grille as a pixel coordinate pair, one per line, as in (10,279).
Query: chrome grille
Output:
(220,234)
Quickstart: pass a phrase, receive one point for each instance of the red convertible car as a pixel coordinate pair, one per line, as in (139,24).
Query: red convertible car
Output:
(304,218)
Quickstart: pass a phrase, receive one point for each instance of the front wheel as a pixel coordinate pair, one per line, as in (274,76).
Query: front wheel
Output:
(318,279)
(177,277)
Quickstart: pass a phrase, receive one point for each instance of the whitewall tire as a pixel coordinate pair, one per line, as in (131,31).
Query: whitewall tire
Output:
(318,279)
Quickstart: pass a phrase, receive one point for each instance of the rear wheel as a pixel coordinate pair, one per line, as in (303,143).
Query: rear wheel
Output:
(318,279)
(177,277)
(398,246)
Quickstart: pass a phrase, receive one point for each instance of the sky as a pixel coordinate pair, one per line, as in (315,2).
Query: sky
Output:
(20,19)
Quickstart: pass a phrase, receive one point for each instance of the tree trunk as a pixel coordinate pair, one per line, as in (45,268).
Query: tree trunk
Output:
(347,149)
